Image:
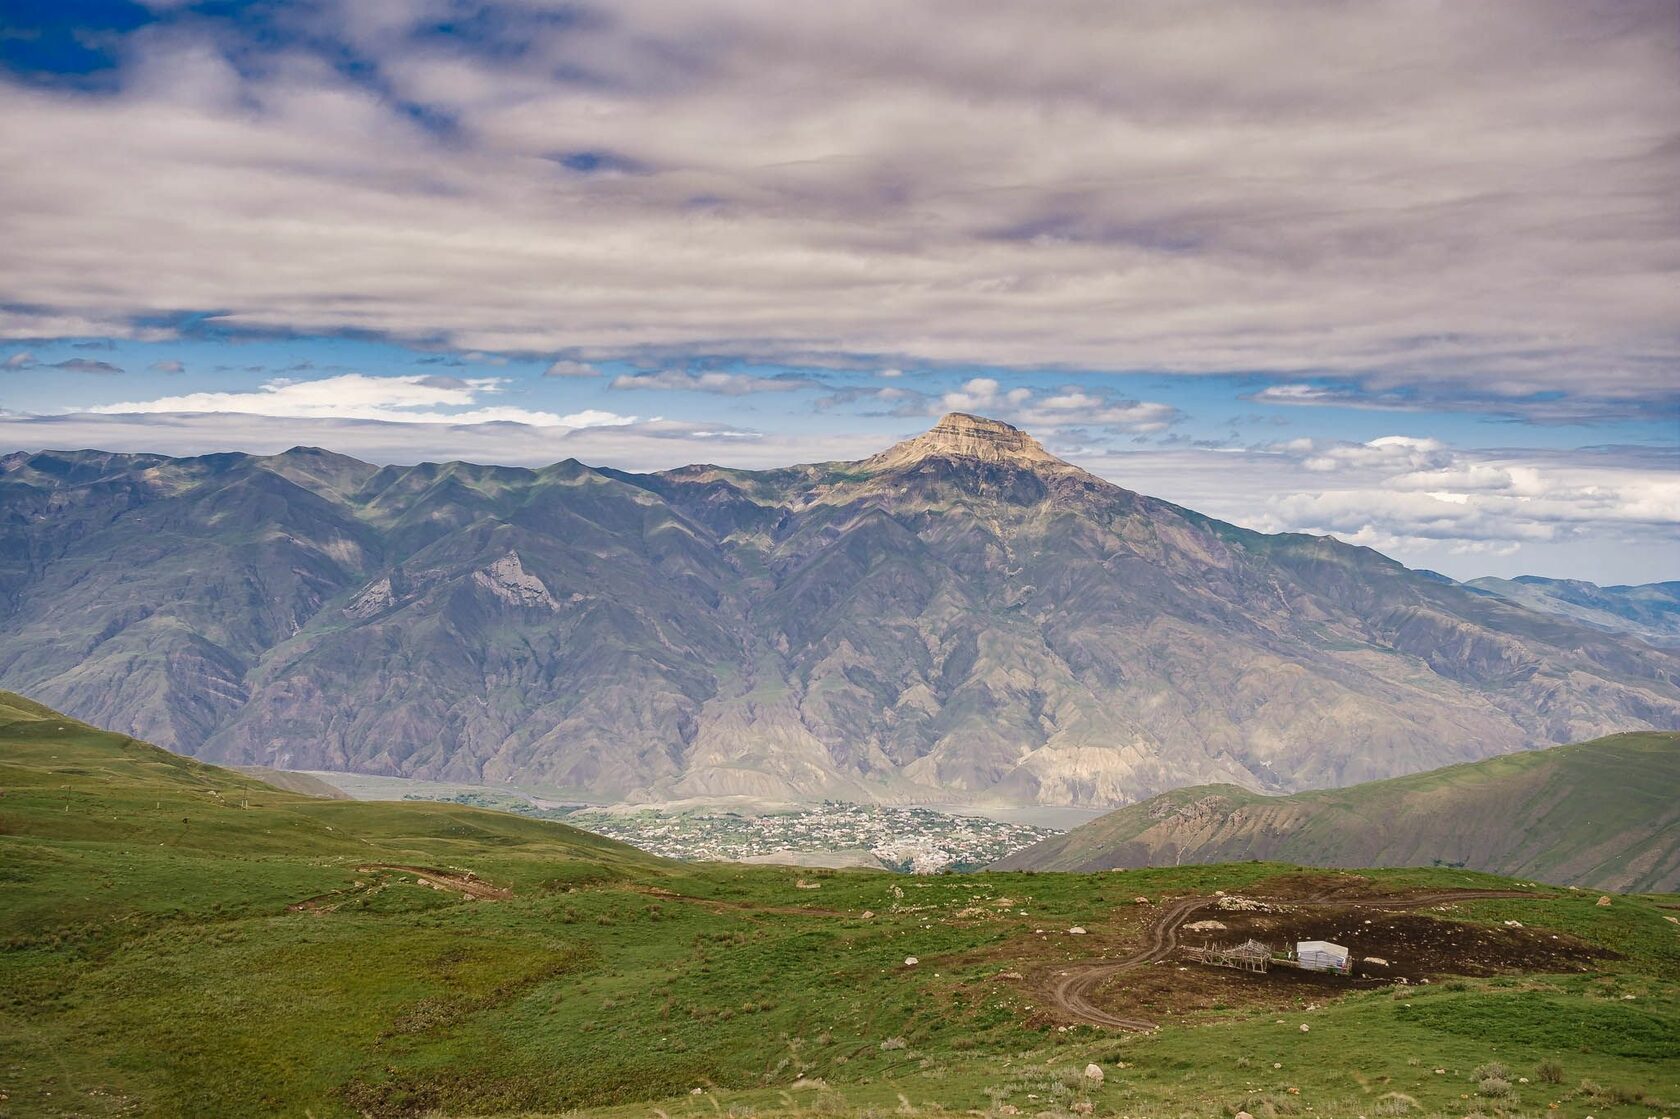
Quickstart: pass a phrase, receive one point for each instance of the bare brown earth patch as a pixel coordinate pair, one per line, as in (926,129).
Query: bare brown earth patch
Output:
(1143,975)
(1416,946)
(1176,987)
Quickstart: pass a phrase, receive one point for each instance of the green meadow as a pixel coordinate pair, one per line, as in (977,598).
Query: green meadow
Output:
(180,940)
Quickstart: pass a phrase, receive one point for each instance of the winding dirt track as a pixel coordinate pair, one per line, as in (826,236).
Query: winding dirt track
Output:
(1071,988)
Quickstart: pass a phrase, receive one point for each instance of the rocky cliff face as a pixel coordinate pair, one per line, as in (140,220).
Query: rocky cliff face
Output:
(960,436)
(962,617)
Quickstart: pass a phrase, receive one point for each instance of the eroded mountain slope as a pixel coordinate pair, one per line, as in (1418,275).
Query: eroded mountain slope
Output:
(962,618)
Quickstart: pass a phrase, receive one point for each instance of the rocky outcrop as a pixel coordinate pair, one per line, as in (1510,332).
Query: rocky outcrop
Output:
(509,582)
(962,436)
(376,599)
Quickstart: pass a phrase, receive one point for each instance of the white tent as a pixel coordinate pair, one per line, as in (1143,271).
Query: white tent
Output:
(1321,955)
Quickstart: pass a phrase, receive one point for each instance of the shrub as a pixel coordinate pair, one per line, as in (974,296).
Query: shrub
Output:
(1493,1070)
(1619,1094)
(1393,1104)
(1494,1088)
(1071,1078)
(1550,1071)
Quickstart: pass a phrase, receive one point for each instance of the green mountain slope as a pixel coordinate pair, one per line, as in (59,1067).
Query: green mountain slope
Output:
(962,618)
(70,789)
(1603,814)
(294,782)
(178,940)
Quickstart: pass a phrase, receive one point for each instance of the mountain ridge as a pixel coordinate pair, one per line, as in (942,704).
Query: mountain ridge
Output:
(1648,611)
(952,619)
(1597,814)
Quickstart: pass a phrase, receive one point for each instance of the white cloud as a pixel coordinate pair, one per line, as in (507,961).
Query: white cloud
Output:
(1384,192)
(21,360)
(1606,514)
(1049,413)
(1294,394)
(168,367)
(564,368)
(592,417)
(723,384)
(82,365)
(1419,490)
(402,399)
(1389,451)
(984,394)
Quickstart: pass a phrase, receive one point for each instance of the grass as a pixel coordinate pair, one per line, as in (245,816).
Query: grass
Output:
(150,965)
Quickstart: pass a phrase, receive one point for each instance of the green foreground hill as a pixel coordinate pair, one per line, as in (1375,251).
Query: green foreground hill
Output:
(1604,814)
(182,940)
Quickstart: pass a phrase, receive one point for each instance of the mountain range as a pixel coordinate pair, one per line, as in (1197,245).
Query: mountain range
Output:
(962,618)
(1650,612)
(1600,814)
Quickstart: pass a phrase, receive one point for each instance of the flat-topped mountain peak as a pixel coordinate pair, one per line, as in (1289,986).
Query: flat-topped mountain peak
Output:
(962,436)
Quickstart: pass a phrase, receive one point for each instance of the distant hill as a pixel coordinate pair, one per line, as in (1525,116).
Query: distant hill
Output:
(960,619)
(1649,611)
(306,783)
(63,780)
(1604,814)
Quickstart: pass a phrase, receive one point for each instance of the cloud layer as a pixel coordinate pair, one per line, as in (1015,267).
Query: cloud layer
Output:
(1458,202)
(1598,513)
(357,396)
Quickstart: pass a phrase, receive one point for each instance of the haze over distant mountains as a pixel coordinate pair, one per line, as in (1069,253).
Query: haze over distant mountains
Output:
(1650,612)
(962,618)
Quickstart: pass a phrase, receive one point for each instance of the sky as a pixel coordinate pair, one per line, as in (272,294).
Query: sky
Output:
(1404,273)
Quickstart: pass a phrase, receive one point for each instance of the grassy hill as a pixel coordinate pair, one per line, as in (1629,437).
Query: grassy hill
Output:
(181,940)
(1603,814)
(294,782)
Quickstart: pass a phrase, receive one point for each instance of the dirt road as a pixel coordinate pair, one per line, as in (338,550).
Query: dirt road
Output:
(1073,985)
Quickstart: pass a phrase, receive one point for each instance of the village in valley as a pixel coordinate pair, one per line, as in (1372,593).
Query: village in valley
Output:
(914,840)
(907,839)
